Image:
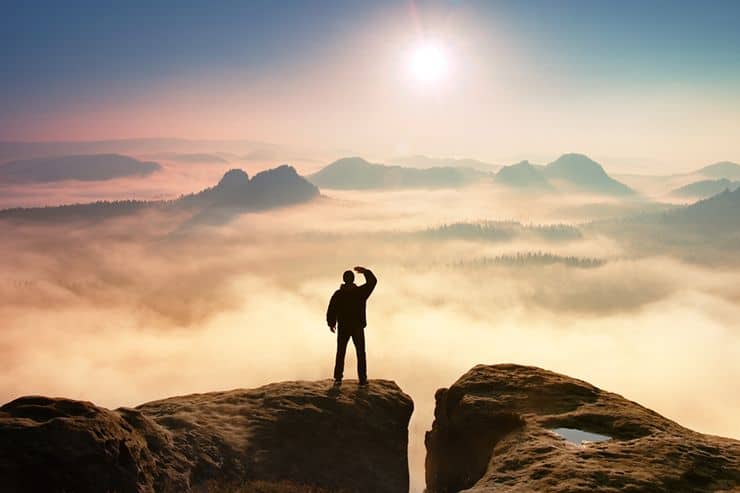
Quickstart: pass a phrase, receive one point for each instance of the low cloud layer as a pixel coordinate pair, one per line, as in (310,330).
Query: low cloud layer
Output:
(136,309)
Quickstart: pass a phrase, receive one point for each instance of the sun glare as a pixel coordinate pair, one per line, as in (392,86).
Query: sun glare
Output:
(428,63)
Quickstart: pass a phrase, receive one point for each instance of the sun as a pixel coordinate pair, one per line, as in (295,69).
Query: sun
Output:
(428,62)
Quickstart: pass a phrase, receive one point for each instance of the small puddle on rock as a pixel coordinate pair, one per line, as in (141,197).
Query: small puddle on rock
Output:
(579,437)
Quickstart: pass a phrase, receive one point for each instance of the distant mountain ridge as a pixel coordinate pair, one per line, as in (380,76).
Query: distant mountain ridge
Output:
(715,218)
(192,157)
(721,210)
(84,167)
(723,169)
(705,233)
(570,172)
(421,161)
(25,150)
(705,188)
(234,193)
(355,173)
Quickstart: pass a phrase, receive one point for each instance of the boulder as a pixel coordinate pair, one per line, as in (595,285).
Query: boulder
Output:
(313,434)
(493,431)
(64,445)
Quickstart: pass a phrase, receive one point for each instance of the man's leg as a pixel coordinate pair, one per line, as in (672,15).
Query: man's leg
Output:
(358,338)
(342,340)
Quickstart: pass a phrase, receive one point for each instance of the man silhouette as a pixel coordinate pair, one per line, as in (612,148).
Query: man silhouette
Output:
(346,312)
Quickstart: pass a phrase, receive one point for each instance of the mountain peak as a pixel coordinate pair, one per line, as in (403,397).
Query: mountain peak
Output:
(522,175)
(350,161)
(269,188)
(582,172)
(283,175)
(574,161)
(576,155)
(282,170)
(706,188)
(234,178)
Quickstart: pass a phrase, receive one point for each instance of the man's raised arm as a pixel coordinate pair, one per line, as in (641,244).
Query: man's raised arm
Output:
(370,280)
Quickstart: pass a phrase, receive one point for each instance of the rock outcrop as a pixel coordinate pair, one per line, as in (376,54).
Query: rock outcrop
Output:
(492,432)
(277,187)
(523,175)
(350,439)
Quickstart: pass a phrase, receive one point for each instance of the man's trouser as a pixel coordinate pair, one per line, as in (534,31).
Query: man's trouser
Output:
(358,338)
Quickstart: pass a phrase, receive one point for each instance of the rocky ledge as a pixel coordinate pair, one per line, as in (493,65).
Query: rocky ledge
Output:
(350,439)
(492,432)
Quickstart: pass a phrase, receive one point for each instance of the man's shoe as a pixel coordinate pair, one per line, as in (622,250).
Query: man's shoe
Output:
(363,383)
(337,381)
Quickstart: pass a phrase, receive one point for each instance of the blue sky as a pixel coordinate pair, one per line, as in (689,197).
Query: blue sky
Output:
(75,40)
(68,60)
(648,40)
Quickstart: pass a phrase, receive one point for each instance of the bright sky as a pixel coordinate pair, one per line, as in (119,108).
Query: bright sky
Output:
(632,83)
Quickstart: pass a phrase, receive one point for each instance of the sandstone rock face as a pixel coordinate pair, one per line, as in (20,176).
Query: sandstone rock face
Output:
(349,439)
(65,445)
(492,433)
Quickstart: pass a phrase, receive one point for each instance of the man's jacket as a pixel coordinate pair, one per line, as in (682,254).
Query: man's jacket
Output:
(347,304)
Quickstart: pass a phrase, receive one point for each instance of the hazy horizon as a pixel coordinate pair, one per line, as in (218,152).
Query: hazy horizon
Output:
(498,82)
(280,153)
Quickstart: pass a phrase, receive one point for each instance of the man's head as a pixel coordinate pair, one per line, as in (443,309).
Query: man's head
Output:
(348,276)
